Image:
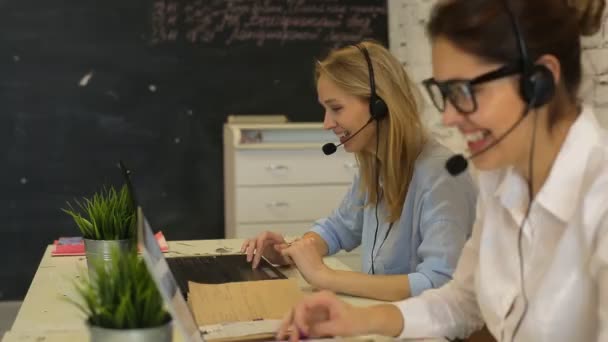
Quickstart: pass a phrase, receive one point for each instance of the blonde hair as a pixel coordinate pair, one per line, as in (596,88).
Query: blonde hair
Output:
(401,135)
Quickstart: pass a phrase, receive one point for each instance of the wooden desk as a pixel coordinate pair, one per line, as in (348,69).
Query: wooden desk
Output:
(46,316)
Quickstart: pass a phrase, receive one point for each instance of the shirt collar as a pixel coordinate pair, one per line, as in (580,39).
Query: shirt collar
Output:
(512,191)
(562,188)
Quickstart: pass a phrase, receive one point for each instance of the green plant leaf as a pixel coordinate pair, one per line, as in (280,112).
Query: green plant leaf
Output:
(108,215)
(121,294)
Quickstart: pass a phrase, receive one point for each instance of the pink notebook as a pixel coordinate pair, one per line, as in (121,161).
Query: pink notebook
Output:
(71,246)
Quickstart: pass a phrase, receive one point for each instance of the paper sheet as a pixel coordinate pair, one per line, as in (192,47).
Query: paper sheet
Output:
(241,330)
(266,331)
(242,301)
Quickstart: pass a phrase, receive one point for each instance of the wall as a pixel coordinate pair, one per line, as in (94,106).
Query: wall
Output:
(85,83)
(407,39)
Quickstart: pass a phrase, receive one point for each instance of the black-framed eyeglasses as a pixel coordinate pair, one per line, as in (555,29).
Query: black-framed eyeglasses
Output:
(460,92)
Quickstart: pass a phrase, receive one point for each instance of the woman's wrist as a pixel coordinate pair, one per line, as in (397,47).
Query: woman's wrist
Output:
(384,319)
(325,279)
(320,244)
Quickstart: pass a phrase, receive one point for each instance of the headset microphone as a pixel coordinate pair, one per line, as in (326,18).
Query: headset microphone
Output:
(457,163)
(331,148)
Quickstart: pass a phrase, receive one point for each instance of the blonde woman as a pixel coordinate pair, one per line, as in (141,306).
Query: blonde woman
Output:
(409,217)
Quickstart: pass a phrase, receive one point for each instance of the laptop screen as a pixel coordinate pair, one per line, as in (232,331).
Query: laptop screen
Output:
(167,286)
(159,271)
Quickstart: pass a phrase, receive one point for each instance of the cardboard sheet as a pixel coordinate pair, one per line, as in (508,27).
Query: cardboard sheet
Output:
(242,301)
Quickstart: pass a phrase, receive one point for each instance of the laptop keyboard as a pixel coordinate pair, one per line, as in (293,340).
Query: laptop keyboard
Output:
(219,269)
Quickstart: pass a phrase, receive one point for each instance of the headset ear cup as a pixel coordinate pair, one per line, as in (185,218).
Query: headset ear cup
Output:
(538,85)
(378,108)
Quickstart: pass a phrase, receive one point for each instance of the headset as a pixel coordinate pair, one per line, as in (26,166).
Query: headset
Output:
(378,111)
(537,88)
(377,107)
(537,85)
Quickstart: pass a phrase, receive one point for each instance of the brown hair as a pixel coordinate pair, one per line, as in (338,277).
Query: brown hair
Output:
(401,133)
(483,28)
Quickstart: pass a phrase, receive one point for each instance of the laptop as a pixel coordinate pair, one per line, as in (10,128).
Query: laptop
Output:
(219,269)
(171,274)
(210,269)
(165,282)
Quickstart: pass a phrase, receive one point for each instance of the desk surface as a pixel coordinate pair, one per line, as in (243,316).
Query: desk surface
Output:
(45,315)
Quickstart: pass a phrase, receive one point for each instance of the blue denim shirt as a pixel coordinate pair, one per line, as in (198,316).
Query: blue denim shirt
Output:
(426,241)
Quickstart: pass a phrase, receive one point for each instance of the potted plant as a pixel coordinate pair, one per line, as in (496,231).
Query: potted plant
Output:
(106,221)
(122,302)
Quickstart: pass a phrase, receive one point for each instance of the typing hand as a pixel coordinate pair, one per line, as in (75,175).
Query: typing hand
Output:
(321,315)
(268,245)
(307,259)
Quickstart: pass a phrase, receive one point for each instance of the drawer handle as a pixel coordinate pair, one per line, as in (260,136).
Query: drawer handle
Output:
(350,165)
(277,167)
(277,204)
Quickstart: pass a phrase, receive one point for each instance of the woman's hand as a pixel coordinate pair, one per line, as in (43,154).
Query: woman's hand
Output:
(305,256)
(268,245)
(322,315)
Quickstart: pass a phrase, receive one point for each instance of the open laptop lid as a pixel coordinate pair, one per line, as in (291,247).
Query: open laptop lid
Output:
(159,270)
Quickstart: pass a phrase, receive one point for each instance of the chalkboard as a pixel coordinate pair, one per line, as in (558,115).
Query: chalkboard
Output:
(84,83)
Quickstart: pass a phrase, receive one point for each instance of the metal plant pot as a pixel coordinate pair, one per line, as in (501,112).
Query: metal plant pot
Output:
(162,333)
(100,251)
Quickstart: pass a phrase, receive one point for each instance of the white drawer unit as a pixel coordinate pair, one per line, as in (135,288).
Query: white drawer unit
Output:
(291,230)
(287,167)
(277,178)
(286,203)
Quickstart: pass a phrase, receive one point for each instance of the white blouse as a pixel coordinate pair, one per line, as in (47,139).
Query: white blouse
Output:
(565,254)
